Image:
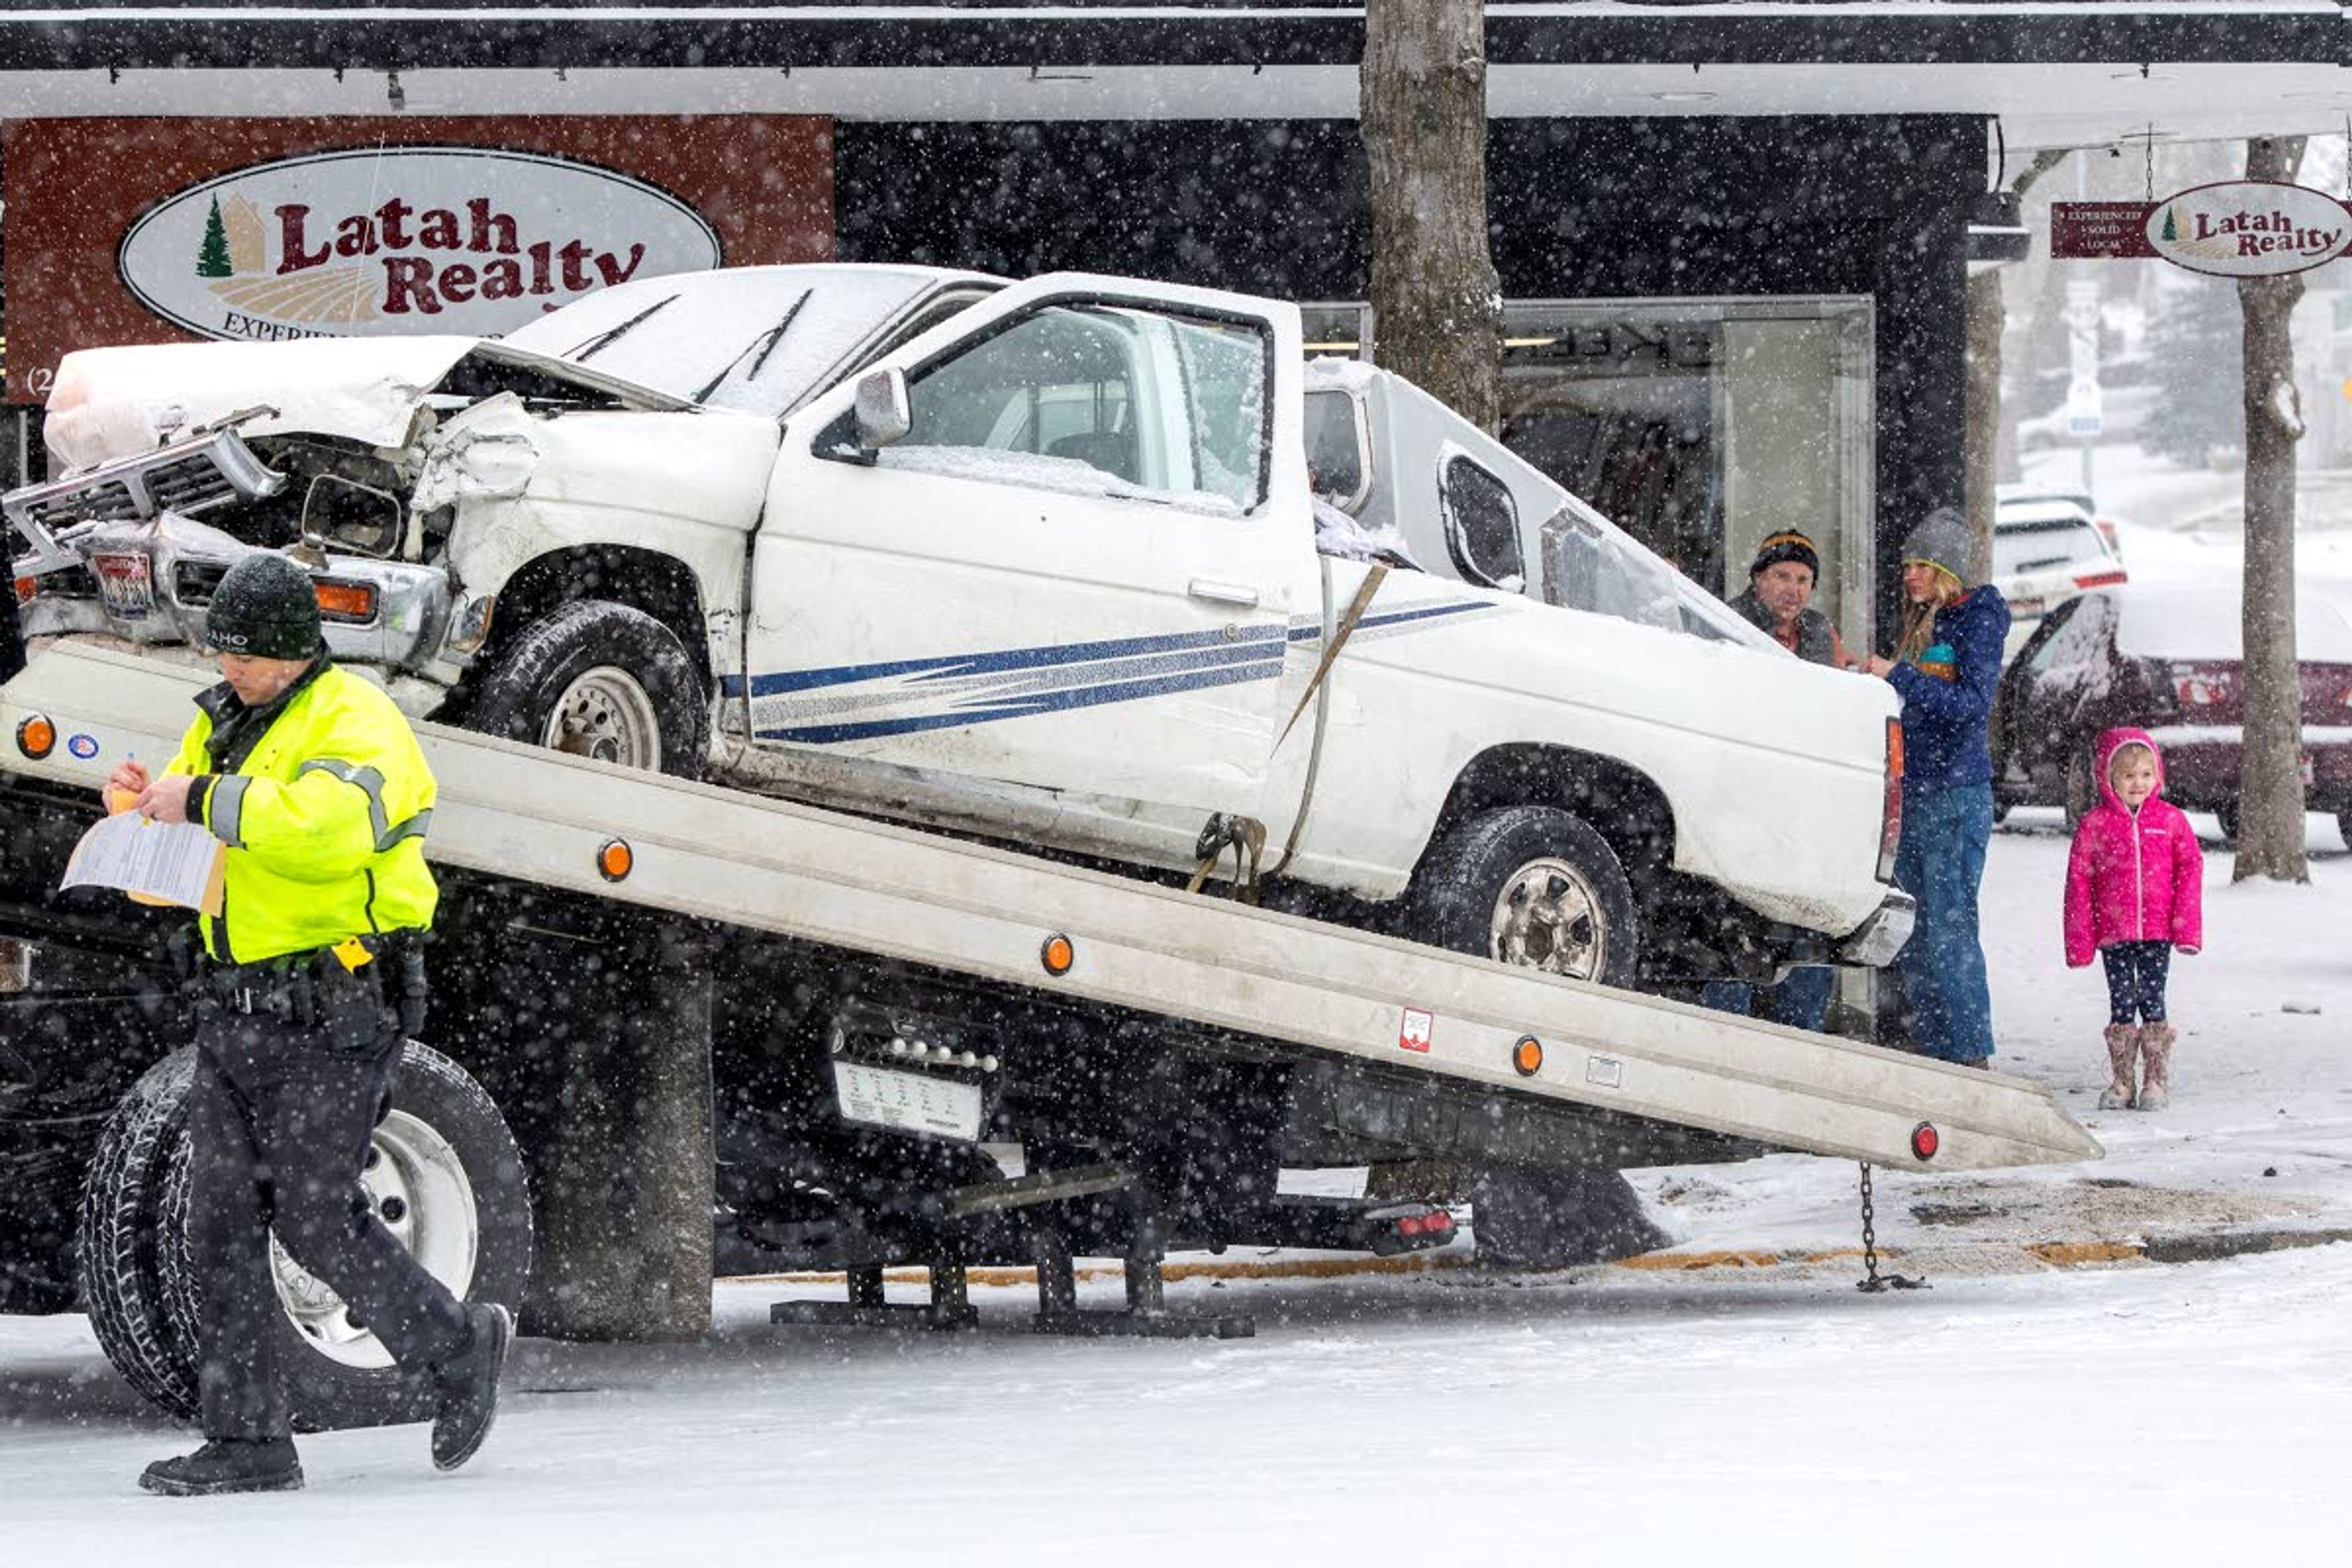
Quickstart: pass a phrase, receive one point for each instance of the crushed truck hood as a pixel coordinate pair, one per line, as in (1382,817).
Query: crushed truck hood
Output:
(117,402)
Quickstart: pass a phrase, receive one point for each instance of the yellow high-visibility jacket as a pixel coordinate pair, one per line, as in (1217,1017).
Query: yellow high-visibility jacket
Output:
(323,805)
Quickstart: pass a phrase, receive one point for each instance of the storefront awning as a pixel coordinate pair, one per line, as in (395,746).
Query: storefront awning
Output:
(2089,72)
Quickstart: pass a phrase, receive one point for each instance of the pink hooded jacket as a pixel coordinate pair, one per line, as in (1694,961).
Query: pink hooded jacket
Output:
(2133,877)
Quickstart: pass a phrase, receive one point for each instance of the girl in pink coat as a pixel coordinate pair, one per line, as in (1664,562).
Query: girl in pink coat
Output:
(2135,889)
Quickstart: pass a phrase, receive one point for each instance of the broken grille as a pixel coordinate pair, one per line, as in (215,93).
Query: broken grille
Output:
(187,479)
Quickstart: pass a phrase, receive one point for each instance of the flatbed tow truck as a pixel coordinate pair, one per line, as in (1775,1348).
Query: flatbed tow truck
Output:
(659,1000)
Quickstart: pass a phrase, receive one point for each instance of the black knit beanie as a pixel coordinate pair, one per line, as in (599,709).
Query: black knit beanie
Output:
(1785,545)
(264,608)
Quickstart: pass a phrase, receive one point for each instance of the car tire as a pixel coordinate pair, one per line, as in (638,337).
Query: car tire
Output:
(597,679)
(2082,791)
(1532,885)
(2343,826)
(2231,817)
(444,1150)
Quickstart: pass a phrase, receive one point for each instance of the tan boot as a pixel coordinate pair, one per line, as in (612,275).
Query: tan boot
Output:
(2122,1044)
(2156,1050)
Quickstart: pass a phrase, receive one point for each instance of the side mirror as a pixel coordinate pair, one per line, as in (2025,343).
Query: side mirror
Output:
(884,415)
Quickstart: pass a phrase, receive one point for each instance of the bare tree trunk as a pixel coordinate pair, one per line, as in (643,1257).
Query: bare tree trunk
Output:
(2270,836)
(1437,306)
(1988,318)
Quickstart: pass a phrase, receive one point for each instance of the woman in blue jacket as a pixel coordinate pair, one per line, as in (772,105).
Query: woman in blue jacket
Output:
(1946,667)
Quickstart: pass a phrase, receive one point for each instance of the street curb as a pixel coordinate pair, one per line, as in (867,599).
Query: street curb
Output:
(2186,1247)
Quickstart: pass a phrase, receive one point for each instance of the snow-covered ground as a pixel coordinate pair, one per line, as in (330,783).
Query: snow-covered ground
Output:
(2124,1411)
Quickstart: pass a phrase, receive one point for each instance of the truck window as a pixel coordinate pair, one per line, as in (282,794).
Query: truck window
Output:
(1482,525)
(1106,399)
(1335,447)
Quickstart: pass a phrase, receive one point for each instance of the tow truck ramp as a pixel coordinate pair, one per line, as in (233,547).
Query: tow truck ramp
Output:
(521,812)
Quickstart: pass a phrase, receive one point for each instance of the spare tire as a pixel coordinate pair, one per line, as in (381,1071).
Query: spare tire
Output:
(599,680)
(446,1175)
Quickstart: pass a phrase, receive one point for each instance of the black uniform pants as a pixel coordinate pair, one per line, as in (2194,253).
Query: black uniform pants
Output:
(280,1116)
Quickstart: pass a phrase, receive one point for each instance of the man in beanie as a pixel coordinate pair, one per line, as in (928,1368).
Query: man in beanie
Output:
(1779,601)
(313,782)
(1779,596)
(1947,665)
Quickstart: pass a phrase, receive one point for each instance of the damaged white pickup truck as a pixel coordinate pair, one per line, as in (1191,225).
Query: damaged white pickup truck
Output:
(1036,561)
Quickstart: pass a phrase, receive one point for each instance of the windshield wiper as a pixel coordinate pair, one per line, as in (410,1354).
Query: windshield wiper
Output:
(581,354)
(765,342)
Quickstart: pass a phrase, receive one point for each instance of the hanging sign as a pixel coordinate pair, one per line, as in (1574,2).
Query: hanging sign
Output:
(409,239)
(2237,228)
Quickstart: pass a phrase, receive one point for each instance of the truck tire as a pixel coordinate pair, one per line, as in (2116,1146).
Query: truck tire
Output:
(600,680)
(1525,1217)
(443,1169)
(1531,884)
(2231,817)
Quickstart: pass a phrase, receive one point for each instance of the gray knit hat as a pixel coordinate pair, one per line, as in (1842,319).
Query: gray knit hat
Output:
(1941,540)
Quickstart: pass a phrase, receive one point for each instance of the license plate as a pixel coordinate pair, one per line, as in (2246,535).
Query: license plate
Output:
(126,586)
(912,1102)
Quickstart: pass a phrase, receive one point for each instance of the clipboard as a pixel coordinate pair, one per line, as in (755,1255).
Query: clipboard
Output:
(169,864)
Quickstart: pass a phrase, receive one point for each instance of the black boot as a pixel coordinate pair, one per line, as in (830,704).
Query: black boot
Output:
(228,1464)
(469,1387)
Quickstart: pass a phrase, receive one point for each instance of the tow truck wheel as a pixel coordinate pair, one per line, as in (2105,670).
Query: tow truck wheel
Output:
(1526,1217)
(1531,884)
(443,1173)
(600,680)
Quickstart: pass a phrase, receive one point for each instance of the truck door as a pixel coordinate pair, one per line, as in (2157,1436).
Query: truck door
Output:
(1076,572)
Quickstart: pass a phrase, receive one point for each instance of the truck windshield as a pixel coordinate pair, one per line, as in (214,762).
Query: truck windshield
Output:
(713,337)
(1592,564)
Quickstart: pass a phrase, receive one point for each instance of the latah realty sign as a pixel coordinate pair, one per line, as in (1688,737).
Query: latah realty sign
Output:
(409,239)
(2240,228)
(146,230)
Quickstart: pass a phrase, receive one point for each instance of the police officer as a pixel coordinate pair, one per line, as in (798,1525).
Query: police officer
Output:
(314,781)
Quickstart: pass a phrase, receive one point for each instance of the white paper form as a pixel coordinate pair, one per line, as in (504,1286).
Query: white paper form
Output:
(167,862)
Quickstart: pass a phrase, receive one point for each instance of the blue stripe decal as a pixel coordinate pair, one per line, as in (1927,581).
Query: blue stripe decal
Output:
(1313,630)
(813,707)
(1023,708)
(994,663)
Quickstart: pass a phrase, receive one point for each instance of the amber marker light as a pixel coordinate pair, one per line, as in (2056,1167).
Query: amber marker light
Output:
(616,859)
(1527,1055)
(36,737)
(345,601)
(1057,954)
(26,588)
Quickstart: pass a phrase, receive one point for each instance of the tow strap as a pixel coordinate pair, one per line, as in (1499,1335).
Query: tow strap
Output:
(1246,835)
(1339,634)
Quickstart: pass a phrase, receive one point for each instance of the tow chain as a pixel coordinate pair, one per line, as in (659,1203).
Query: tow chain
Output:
(1872,1281)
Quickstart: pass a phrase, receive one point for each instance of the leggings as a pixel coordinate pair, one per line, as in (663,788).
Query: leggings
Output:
(2135,972)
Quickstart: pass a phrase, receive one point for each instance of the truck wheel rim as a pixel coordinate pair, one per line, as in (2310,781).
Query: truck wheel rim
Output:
(1548,918)
(417,1184)
(604,713)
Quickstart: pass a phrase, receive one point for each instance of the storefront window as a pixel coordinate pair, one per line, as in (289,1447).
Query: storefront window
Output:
(1700,427)
(1697,425)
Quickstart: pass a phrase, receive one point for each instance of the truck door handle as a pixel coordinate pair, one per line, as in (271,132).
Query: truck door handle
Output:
(1218,592)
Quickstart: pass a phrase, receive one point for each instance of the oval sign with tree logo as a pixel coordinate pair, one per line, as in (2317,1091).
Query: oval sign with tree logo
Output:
(2250,228)
(371,241)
